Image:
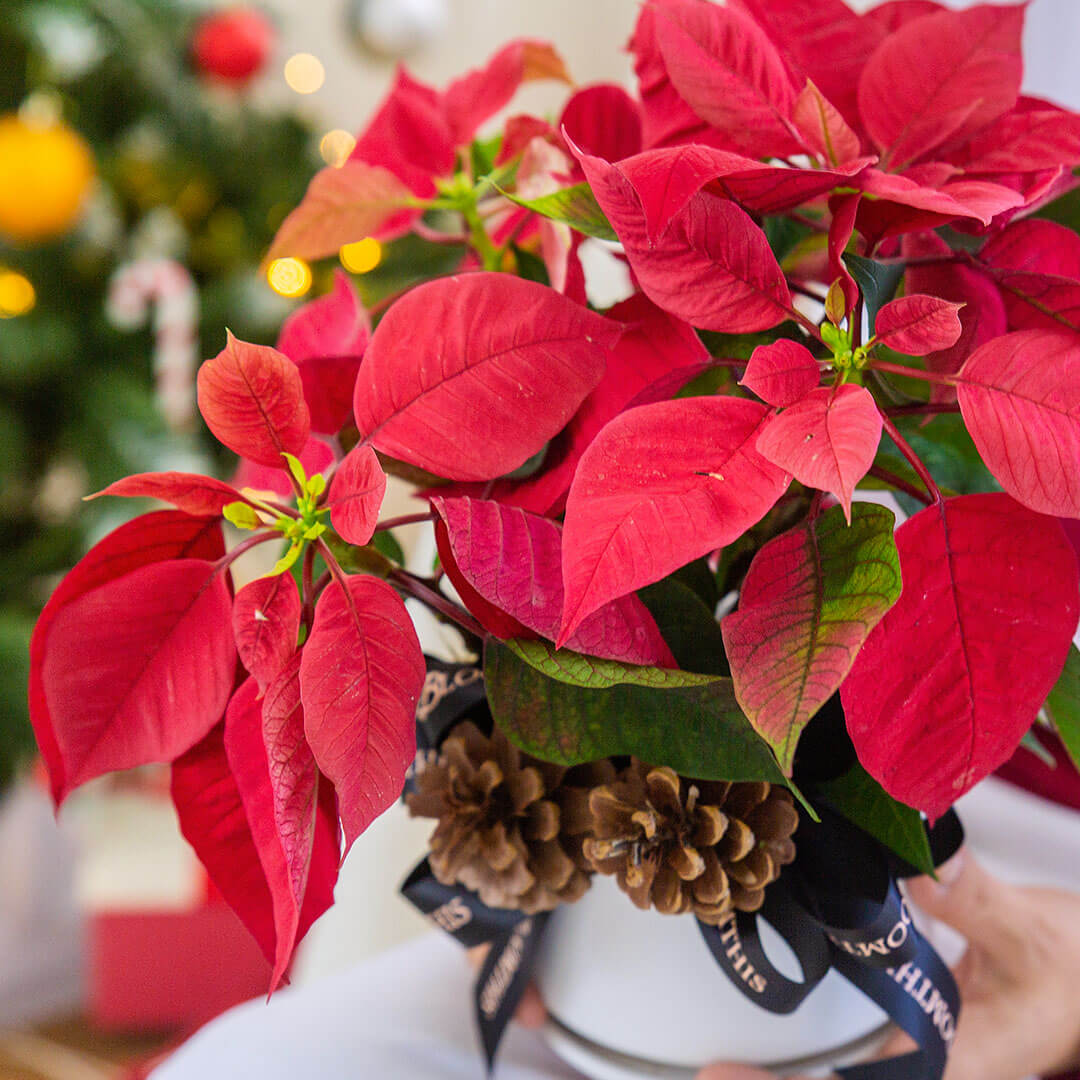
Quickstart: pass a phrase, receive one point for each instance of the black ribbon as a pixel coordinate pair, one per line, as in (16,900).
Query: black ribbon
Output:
(838,906)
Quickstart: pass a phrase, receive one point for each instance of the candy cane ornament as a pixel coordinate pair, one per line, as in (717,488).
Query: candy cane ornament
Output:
(169,287)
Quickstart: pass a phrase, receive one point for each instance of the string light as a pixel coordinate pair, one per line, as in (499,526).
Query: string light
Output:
(17,294)
(304,73)
(362,256)
(289,277)
(336,146)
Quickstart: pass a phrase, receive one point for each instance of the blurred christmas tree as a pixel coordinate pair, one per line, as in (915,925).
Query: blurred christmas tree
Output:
(132,166)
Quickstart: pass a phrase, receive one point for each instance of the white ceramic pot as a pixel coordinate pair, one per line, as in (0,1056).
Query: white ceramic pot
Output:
(637,995)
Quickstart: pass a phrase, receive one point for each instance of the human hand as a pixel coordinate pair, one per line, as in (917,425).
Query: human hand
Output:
(530,1012)
(1019,979)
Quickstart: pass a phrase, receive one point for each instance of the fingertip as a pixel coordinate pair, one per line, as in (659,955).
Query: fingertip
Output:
(733,1072)
(531,1012)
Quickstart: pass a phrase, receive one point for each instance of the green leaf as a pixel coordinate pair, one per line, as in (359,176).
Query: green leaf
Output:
(286,560)
(568,708)
(574,206)
(1063,705)
(863,801)
(386,544)
(877,281)
(241,515)
(296,469)
(809,601)
(687,625)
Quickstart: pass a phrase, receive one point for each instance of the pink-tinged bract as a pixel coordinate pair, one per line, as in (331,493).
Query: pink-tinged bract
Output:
(781,373)
(252,399)
(940,78)
(827,440)
(917,324)
(361,672)
(807,604)
(468,377)
(822,127)
(356,494)
(155,537)
(1041,247)
(266,622)
(200,496)
(513,559)
(138,669)
(661,485)
(1023,142)
(326,339)
(1020,398)
(948,682)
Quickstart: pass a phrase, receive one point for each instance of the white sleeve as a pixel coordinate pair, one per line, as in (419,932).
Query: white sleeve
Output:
(406,1013)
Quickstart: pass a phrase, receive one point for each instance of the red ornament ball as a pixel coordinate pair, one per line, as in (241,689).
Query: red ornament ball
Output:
(232,46)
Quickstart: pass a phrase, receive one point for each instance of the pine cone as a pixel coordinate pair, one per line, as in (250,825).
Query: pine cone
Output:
(681,846)
(510,827)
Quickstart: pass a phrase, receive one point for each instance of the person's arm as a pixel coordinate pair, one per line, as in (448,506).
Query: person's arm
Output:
(1019,979)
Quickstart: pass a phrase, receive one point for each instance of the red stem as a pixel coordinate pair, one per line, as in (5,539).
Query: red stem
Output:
(912,373)
(243,547)
(913,459)
(308,615)
(805,323)
(436,601)
(900,484)
(405,519)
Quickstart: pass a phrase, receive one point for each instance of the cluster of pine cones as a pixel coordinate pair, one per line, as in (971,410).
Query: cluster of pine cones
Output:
(527,835)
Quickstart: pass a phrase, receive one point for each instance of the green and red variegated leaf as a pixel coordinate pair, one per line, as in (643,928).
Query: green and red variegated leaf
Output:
(266,624)
(809,601)
(155,537)
(826,440)
(468,377)
(1020,398)
(823,128)
(138,669)
(513,559)
(948,682)
(356,495)
(252,399)
(361,672)
(661,485)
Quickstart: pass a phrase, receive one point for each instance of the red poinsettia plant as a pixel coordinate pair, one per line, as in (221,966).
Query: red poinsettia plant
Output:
(853,270)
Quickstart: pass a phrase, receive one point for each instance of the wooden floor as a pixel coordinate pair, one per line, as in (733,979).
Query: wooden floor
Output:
(70,1050)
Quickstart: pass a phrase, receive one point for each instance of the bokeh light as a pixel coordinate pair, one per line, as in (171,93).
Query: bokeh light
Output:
(289,277)
(336,146)
(304,73)
(362,256)
(17,295)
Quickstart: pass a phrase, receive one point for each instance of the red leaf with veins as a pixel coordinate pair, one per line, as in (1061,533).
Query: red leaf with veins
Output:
(827,440)
(200,496)
(712,266)
(278,784)
(941,78)
(728,71)
(326,340)
(889,17)
(1038,301)
(956,672)
(356,495)
(138,669)
(823,128)
(266,623)
(342,204)
(809,601)
(1041,247)
(844,209)
(1023,142)
(252,400)
(917,324)
(477,95)
(317,457)
(660,486)
(151,538)
(603,120)
(361,672)
(1020,398)
(657,355)
(513,559)
(981,318)
(820,39)
(781,373)
(507,364)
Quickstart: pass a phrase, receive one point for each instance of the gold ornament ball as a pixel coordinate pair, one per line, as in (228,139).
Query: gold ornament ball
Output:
(45,173)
